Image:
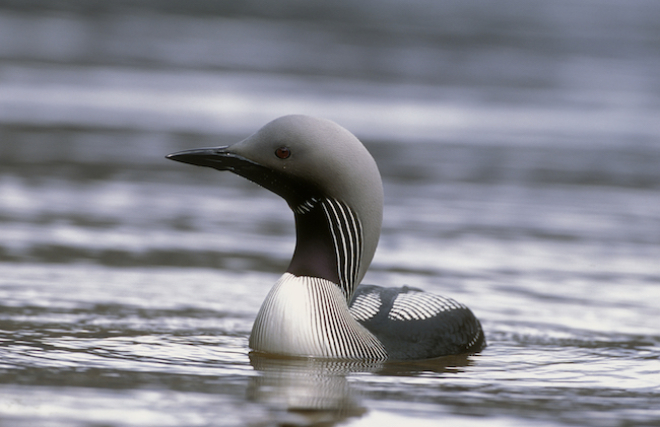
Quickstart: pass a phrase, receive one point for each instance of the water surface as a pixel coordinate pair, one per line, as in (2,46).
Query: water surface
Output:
(519,148)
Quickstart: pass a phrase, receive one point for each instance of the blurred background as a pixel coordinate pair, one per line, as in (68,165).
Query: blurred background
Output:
(519,144)
(93,94)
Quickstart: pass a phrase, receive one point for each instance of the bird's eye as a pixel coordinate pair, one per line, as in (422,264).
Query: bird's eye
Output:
(283,152)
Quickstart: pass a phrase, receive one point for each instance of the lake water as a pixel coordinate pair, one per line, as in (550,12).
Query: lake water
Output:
(519,145)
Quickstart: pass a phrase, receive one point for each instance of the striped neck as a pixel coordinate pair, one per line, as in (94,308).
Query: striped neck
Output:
(328,243)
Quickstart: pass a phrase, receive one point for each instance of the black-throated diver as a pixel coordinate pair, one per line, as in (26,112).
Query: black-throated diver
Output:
(316,308)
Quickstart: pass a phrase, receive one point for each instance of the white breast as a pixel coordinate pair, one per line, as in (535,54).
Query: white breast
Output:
(308,316)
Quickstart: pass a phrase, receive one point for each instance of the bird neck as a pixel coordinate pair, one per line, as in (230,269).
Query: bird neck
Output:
(329,243)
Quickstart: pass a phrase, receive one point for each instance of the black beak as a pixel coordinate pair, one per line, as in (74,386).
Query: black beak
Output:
(217,158)
(221,159)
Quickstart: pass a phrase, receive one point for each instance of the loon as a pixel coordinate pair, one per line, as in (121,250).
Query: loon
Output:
(316,309)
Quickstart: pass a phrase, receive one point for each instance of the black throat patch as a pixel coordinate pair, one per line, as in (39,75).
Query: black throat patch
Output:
(328,243)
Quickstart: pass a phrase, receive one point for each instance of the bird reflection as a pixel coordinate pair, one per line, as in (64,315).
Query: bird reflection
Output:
(306,391)
(316,392)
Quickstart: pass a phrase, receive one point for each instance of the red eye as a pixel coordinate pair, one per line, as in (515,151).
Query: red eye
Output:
(283,152)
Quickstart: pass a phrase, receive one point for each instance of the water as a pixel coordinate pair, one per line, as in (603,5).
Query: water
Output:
(519,147)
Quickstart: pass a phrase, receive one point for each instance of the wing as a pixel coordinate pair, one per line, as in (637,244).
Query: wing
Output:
(413,324)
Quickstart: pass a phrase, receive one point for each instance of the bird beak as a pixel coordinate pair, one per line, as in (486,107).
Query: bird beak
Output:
(216,157)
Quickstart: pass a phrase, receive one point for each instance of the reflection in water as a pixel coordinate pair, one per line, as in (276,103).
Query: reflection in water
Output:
(306,391)
(314,392)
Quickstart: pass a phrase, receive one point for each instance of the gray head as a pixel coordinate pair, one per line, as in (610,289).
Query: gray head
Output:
(329,180)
